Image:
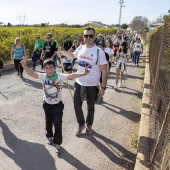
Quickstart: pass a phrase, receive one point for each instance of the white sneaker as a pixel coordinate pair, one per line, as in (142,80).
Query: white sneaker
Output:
(50,141)
(120,85)
(57,148)
(116,86)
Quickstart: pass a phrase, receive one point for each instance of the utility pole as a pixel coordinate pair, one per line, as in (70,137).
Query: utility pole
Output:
(120,13)
(21,19)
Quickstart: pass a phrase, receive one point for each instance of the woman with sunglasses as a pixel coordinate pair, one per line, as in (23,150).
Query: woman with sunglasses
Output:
(138,49)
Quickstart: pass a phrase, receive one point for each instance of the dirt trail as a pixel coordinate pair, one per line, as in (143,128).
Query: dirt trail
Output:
(22,133)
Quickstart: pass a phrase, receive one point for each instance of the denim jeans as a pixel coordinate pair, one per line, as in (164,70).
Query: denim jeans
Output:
(136,57)
(53,116)
(35,58)
(92,92)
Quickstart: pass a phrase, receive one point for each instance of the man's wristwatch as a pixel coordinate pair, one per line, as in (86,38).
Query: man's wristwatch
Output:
(104,88)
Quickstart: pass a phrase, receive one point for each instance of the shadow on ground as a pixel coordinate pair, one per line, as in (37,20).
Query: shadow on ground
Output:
(133,116)
(26,155)
(115,152)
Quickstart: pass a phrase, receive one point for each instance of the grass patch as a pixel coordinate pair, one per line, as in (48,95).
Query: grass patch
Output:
(142,74)
(134,140)
(144,60)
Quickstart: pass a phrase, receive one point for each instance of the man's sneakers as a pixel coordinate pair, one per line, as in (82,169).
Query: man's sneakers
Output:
(89,130)
(80,130)
(57,148)
(50,141)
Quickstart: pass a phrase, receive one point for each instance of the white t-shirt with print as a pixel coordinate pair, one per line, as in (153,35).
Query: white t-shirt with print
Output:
(52,89)
(89,56)
(138,47)
(109,51)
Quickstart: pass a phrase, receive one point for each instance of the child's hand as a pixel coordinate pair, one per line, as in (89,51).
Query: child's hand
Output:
(23,62)
(86,70)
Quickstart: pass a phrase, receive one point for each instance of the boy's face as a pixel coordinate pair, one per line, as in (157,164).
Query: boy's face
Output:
(49,70)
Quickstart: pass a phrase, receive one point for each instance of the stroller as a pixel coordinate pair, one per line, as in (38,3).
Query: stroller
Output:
(68,66)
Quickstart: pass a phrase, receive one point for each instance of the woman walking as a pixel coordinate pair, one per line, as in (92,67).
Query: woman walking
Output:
(18,52)
(109,51)
(138,49)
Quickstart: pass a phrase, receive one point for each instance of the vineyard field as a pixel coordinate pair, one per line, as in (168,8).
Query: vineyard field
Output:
(28,35)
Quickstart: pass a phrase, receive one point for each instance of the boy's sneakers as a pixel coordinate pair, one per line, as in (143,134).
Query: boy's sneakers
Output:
(50,141)
(57,148)
(120,85)
(89,130)
(116,86)
(79,130)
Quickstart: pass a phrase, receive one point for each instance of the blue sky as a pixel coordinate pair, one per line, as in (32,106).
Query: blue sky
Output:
(79,11)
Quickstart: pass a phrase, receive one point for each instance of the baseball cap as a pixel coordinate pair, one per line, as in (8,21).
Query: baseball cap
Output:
(49,35)
(101,43)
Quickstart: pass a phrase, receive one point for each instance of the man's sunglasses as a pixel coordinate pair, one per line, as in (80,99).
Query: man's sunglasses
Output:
(90,36)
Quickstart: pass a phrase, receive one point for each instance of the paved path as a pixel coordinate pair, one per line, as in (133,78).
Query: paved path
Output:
(22,134)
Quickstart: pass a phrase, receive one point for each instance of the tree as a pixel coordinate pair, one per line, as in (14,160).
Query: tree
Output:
(124,26)
(9,25)
(159,19)
(139,23)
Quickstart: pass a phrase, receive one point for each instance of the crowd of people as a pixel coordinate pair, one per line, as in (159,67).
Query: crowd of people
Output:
(95,56)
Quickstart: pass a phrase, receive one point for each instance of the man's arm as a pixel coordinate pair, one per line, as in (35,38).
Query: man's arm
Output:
(66,54)
(55,53)
(76,75)
(27,70)
(42,54)
(104,80)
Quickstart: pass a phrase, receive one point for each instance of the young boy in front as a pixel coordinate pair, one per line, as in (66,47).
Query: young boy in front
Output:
(53,106)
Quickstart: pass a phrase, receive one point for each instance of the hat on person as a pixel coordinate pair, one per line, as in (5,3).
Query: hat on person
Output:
(49,35)
(101,43)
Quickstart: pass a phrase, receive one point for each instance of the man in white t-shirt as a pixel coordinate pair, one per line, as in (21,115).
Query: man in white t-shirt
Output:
(93,56)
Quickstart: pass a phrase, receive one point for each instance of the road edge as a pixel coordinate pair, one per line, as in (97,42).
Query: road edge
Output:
(11,66)
(142,158)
